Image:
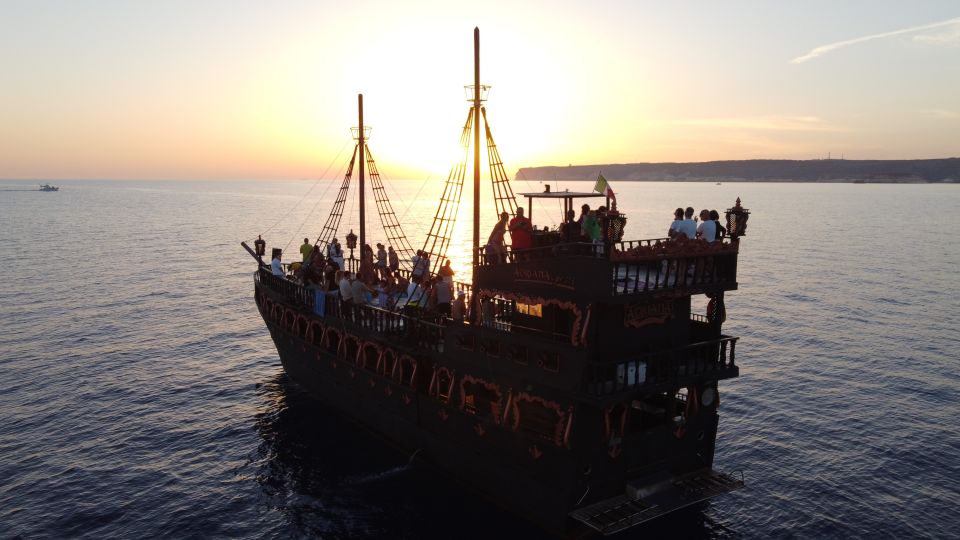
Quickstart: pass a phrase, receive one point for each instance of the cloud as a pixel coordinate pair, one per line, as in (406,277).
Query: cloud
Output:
(941,113)
(949,37)
(823,49)
(764,123)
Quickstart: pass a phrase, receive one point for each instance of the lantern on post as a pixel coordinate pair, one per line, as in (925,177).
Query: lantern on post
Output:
(351,242)
(737,221)
(260,247)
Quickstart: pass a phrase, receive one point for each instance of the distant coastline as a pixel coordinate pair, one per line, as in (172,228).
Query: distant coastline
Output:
(874,171)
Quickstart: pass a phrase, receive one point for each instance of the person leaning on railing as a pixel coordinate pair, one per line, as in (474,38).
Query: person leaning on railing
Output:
(521,231)
(570,229)
(495,252)
(707,230)
(305,250)
(346,293)
(276,266)
(721,230)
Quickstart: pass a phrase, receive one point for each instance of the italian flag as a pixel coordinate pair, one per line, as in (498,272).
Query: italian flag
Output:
(602,186)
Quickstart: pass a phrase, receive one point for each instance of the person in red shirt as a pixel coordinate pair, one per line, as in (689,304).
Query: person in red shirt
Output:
(521,231)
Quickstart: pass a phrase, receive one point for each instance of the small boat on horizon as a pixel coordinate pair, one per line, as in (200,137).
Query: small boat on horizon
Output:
(48,187)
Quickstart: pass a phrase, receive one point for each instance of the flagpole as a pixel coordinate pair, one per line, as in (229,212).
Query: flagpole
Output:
(599,176)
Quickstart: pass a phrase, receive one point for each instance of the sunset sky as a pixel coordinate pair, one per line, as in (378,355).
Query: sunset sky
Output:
(237,90)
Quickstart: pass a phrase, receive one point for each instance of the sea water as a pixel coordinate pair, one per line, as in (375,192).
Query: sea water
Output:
(143,398)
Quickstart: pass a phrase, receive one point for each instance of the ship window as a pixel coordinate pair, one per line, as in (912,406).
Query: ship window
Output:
(404,370)
(369,356)
(651,412)
(518,354)
(549,361)
(491,347)
(532,310)
(386,363)
(442,385)
(539,420)
(481,398)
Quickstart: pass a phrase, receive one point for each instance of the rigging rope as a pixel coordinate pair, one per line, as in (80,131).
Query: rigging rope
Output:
(539,202)
(336,159)
(313,209)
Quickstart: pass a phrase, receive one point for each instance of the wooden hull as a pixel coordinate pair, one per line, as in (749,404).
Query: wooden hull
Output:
(541,479)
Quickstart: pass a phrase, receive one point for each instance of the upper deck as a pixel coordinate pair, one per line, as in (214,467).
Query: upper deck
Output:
(615,272)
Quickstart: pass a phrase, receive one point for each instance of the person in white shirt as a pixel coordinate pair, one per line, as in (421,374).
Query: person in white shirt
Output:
(707,230)
(359,292)
(276,267)
(677,220)
(459,308)
(383,298)
(346,292)
(688,227)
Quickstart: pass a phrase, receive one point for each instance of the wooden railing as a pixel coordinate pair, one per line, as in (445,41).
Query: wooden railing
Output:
(510,255)
(502,317)
(715,358)
(292,291)
(674,271)
(641,266)
(403,327)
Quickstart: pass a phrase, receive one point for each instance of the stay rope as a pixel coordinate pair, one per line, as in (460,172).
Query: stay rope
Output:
(314,208)
(305,195)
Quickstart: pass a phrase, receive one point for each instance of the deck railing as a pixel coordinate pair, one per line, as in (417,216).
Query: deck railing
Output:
(715,357)
(292,291)
(652,268)
(510,255)
(640,266)
(404,327)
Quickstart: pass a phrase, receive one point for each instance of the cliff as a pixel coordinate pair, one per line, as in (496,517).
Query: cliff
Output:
(762,170)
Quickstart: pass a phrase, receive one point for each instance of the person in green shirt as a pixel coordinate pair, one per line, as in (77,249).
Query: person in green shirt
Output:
(306,249)
(591,226)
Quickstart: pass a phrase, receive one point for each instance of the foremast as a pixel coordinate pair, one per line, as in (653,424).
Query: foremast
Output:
(367,167)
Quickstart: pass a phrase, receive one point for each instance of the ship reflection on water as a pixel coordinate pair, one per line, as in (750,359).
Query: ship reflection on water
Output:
(327,476)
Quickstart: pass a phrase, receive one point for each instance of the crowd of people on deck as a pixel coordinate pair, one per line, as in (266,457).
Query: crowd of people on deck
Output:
(378,282)
(588,228)
(686,227)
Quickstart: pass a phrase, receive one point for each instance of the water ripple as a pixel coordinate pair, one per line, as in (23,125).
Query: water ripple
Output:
(143,396)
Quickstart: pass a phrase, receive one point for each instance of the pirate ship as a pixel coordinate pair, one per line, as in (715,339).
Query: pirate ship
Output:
(581,390)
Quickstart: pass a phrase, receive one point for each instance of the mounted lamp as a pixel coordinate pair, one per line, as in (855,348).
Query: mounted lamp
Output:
(737,220)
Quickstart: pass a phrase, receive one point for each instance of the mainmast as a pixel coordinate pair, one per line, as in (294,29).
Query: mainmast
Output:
(362,144)
(476,149)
